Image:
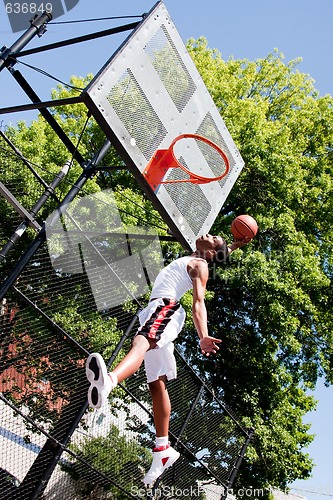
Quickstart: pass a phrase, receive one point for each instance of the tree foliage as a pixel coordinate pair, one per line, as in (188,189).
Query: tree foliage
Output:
(272,306)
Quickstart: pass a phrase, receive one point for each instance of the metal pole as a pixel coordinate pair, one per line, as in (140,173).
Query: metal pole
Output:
(122,340)
(237,465)
(48,116)
(37,28)
(24,160)
(24,214)
(189,413)
(80,39)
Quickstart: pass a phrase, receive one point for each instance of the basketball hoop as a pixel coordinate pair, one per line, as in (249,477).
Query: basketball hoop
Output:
(164,159)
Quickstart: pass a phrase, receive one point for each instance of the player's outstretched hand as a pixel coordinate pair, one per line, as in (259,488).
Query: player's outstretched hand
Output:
(239,243)
(208,345)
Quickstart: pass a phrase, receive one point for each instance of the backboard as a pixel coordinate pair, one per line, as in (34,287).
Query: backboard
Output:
(148,93)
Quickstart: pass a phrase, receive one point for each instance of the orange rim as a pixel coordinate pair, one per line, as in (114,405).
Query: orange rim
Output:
(195,177)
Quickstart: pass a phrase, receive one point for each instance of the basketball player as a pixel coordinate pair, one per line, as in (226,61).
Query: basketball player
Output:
(160,323)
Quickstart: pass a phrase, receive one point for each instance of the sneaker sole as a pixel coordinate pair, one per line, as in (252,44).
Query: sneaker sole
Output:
(96,371)
(94,399)
(93,369)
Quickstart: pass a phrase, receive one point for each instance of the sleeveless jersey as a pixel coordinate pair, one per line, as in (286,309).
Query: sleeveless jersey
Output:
(173,281)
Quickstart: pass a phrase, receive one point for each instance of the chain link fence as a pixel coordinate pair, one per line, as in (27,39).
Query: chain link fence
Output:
(52,445)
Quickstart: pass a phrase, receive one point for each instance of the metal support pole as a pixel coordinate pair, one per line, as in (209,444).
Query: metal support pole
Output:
(80,39)
(38,27)
(237,465)
(189,413)
(18,207)
(48,117)
(24,160)
(122,340)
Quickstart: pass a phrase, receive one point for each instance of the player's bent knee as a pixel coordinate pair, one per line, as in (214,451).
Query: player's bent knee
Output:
(140,342)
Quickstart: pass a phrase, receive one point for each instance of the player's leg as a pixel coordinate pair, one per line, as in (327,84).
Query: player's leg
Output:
(160,361)
(160,365)
(102,382)
(161,406)
(134,358)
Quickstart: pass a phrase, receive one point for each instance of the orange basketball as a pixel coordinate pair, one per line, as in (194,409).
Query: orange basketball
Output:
(244,226)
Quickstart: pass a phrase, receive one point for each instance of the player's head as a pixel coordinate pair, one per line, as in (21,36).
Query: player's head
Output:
(212,248)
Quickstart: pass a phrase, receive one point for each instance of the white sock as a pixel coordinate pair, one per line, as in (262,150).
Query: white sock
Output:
(114,379)
(161,441)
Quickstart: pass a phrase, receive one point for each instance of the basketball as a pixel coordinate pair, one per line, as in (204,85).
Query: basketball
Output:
(244,226)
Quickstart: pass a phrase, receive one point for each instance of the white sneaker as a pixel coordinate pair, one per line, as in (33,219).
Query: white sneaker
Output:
(100,380)
(163,458)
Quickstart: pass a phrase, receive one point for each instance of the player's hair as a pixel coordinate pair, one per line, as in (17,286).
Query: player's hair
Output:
(222,254)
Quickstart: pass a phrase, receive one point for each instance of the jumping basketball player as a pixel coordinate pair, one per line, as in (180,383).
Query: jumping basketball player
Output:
(160,323)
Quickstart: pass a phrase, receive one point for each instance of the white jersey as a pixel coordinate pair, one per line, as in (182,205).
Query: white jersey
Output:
(173,281)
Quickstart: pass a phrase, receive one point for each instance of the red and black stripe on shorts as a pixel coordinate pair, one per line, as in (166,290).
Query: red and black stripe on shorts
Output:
(159,319)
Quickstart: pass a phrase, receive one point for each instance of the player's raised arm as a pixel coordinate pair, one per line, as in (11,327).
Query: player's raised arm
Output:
(199,274)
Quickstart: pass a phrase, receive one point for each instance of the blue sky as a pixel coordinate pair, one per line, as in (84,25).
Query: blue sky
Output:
(239,29)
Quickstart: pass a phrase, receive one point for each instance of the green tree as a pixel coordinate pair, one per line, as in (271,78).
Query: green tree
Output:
(272,306)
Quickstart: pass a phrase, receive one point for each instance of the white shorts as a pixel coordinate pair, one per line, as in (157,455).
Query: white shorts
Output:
(161,362)
(161,320)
